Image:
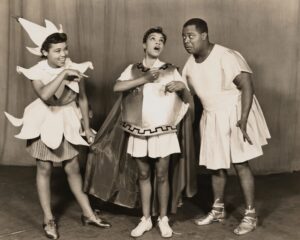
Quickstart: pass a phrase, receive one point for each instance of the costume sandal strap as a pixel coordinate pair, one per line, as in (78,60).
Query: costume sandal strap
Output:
(250,211)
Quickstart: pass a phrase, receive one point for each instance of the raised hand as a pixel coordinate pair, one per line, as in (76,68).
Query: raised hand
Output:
(73,75)
(175,86)
(152,74)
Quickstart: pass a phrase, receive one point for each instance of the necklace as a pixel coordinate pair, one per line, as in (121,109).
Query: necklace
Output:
(146,69)
(142,67)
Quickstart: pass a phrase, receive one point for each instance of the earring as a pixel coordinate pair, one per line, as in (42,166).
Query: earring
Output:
(44,53)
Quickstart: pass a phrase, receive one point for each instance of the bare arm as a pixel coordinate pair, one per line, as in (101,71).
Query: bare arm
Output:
(244,83)
(187,96)
(180,88)
(121,86)
(46,92)
(84,108)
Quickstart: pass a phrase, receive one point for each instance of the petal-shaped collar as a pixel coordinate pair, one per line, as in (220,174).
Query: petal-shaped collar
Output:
(53,71)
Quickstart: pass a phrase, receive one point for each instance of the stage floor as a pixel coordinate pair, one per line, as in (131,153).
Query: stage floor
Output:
(278,205)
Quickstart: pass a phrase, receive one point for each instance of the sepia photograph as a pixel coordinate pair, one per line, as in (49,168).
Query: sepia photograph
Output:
(149,119)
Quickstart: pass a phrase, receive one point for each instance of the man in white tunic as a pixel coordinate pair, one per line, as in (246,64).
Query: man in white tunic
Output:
(232,125)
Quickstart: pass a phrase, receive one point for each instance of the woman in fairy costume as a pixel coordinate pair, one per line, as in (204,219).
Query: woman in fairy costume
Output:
(150,110)
(52,123)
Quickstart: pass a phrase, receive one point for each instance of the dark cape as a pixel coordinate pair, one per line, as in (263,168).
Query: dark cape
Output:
(112,174)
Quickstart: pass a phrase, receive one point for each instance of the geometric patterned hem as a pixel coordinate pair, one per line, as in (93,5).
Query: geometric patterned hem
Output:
(138,131)
(37,149)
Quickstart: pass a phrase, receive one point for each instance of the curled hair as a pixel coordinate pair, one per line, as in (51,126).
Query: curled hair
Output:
(53,39)
(154,30)
(199,23)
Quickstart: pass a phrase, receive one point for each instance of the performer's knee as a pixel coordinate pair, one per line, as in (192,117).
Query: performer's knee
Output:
(44,168)
(71,167)
(162,176)
(242,167)
(144,175)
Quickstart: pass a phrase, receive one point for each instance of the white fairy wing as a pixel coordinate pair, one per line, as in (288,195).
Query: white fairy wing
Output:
(74,86)
(35,51)
(34,73)
(52,128)
(36,32)
(81,67)
(17,122)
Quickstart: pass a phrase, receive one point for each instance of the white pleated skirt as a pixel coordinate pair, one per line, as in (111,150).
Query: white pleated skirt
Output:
(158,146)
(222,141)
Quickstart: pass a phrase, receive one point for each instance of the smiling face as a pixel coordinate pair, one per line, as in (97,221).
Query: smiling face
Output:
(154,45)
(57,54)
(194,42)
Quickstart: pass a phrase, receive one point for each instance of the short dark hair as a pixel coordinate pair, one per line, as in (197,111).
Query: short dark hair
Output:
(199,23)
(53,39)
(154,30)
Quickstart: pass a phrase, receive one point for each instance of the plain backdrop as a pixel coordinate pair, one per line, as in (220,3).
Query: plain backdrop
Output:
(109,33)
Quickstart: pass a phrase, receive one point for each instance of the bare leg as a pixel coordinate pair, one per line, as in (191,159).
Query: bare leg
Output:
(145,185)
(72,170)
(247,182)
(217,214)
(249,222)
(219,179)
(162,167)
(75,181)
(43,174)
